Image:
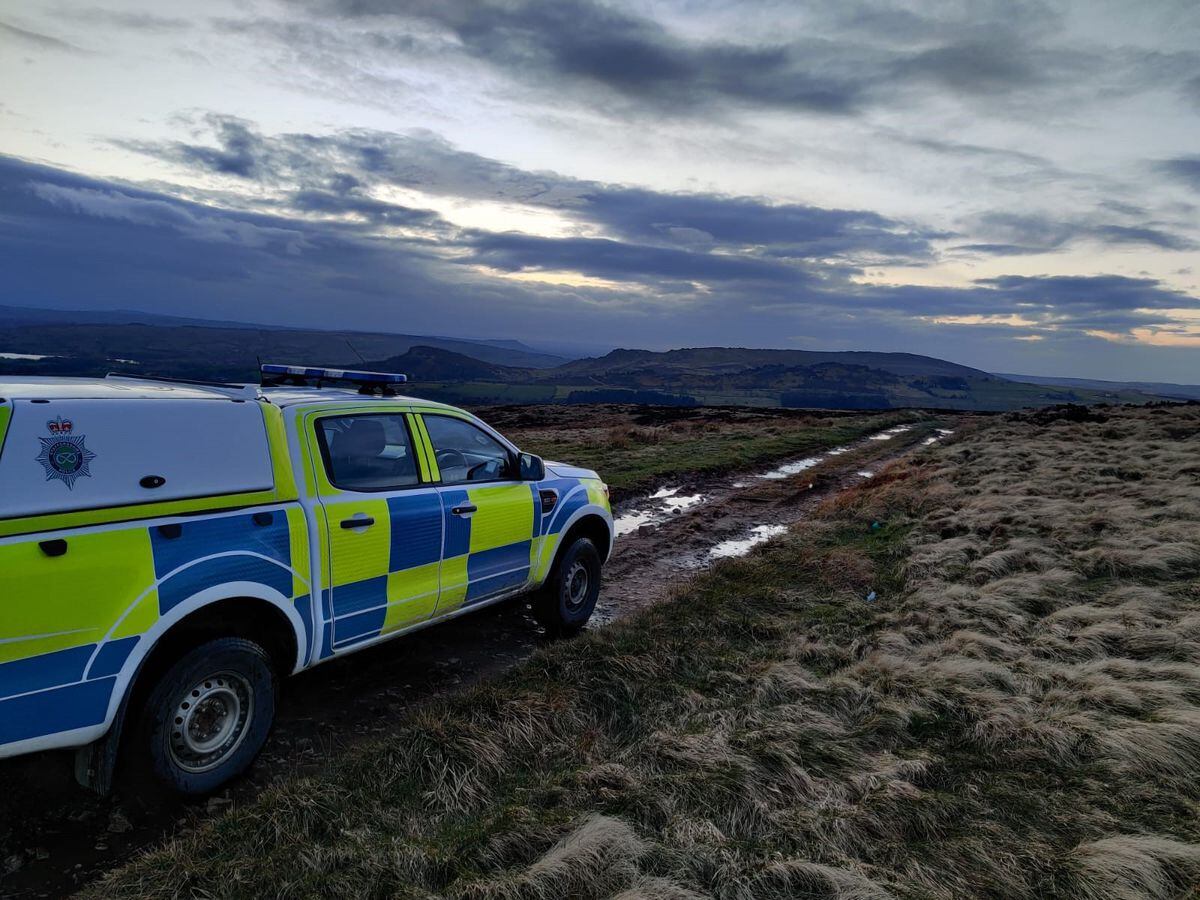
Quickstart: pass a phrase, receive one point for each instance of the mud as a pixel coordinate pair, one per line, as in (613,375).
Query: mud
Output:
(56,837)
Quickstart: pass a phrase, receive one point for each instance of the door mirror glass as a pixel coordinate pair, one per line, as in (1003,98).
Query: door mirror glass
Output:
(532,467)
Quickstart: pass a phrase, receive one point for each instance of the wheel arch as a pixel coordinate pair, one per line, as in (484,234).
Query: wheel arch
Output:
(587,523)
(241,609)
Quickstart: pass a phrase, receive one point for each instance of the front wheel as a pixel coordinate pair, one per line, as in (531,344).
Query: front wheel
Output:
(209,715)
(565,602)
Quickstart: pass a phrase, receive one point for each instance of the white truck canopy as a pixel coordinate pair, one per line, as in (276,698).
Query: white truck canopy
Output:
(70,454)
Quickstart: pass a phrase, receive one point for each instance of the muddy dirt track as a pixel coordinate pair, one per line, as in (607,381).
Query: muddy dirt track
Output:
(55,837)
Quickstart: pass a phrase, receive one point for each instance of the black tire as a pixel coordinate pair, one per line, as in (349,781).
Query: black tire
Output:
(565,602)
(209,715)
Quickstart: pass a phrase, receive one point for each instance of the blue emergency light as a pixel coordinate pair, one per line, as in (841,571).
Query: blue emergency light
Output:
(308,376)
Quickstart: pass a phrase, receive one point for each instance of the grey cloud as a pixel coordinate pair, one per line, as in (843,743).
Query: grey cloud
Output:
(37,39)
(70,239)
(1191,91)
(1184,169)
(847,59)
(625,262)
(631,56)
(130,21)
(1011,234)
(361,159)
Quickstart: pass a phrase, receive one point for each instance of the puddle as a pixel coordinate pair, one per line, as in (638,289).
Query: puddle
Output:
(660,506)
(787,470)
(934,438)
(759,534)
(664,503)
(890,433)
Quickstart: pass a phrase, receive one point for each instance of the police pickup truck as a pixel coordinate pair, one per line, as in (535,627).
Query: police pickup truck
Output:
(169,550)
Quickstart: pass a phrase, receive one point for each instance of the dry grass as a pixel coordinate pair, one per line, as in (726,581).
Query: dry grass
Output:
(1017,716)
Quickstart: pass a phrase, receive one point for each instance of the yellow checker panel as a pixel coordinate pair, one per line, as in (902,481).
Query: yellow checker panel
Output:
(298,540)
(359,554)
(73,599)
(412,596)
(505,516)
(454,584)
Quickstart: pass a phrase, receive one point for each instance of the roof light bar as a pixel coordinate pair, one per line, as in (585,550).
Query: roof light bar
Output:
(368,382)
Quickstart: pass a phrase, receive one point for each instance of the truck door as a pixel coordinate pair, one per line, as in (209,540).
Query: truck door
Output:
(488,512)
(384,522)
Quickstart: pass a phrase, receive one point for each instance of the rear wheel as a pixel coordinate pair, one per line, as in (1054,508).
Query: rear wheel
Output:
(209,715)
(568,598)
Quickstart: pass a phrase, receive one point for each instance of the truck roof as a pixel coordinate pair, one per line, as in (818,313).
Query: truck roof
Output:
(115,387)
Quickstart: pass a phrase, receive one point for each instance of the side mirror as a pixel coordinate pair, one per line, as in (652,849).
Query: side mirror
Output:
(532,467)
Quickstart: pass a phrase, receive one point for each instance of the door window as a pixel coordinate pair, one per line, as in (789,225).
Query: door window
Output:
(368,452)
(466,453)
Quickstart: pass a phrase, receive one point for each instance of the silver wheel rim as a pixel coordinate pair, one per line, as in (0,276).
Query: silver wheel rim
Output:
(210,720)
(577,582)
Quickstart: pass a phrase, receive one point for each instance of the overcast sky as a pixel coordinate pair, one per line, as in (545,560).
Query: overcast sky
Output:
(1011,185)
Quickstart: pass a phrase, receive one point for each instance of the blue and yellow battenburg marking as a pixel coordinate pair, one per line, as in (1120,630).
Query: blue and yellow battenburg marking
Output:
(61,650)
(73,622)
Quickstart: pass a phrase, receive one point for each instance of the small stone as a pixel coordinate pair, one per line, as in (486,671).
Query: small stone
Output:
(118,822)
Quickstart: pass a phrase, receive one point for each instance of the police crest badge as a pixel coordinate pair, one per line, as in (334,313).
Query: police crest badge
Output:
(64,456)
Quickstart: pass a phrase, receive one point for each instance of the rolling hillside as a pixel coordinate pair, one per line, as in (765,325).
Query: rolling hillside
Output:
(218,352)
(748,377)
(500,371)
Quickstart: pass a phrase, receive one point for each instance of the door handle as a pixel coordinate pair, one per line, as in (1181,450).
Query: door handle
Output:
(359,521)
(464,510)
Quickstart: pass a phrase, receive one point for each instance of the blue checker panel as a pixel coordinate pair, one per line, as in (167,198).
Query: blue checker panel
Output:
(486,587)
(112,656)
(355,628)
(357,596)
(61,709)
(204,537)
(486,563)
(223,569)
(567,506)
(304,607)
(492,571)
(458,529)
(48,670)
(359,608)
(416,530)
(537,510)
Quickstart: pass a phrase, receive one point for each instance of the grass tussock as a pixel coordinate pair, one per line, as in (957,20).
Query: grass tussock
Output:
(1017,715)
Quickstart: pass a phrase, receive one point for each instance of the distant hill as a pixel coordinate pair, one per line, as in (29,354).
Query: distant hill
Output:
(428,364)
(717,359)
(1154,388)
(206,351)
(500,371)
(745,376)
